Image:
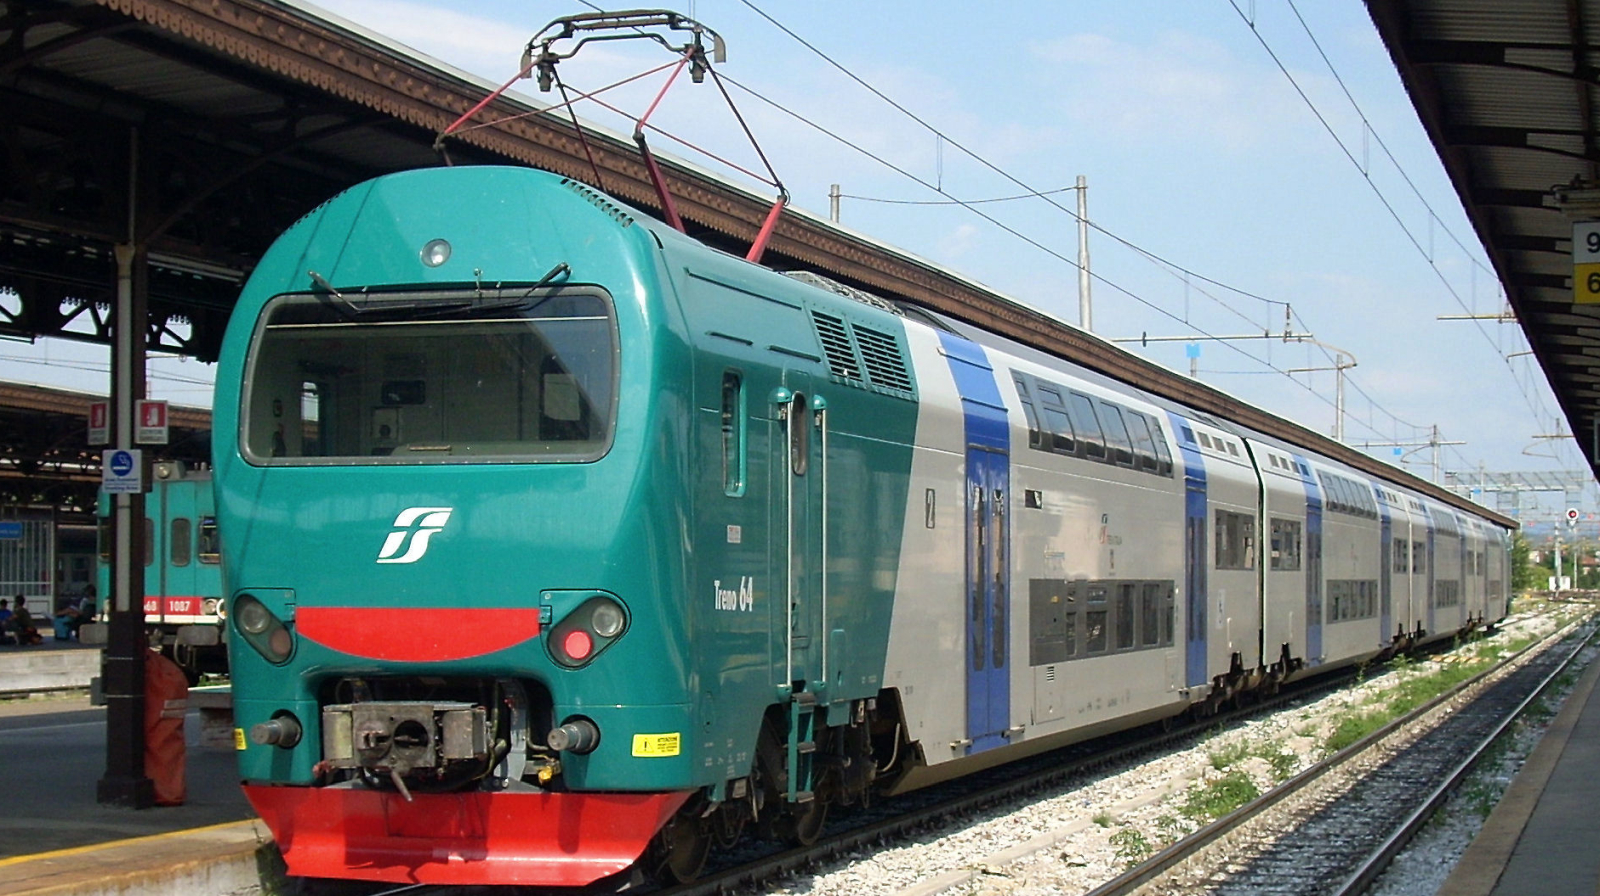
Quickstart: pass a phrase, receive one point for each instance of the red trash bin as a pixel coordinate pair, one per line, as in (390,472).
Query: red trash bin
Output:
(166,701)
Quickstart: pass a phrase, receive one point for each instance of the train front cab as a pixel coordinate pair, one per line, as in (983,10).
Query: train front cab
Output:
(461,608)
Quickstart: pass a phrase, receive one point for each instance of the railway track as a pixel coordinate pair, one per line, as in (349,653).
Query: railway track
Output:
(1017,783)
(753,865)
(1332,829)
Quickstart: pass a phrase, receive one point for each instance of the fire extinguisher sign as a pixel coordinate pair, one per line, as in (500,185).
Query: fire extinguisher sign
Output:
(152,429)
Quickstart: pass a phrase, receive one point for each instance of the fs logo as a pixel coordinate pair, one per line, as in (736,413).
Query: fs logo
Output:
(418,524)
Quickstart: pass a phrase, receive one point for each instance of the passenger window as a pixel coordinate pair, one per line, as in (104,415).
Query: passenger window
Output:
(1116,434)
(1062,439)
(1035,436)
(1169,608)
(210,549)
(1419,556)
(1163,453)
(149,542)
(1094,634)
(1235,540)
(1150,614)
(1285,544)
(1143,445)
(1125,617)
(1087,426)
(733,459)
(180,540)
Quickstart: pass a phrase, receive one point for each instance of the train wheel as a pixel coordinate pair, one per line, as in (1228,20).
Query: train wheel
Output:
(804,823)
(728,824)
(686,842)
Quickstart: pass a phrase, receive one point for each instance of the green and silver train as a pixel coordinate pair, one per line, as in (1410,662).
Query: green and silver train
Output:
(561,546)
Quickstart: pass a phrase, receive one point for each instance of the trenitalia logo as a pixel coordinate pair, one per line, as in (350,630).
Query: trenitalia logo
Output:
(413,527)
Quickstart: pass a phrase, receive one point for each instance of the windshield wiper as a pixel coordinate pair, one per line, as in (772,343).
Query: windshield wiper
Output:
(325,289)
(562,269)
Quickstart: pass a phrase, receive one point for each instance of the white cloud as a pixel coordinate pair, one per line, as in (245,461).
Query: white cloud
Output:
(958,242)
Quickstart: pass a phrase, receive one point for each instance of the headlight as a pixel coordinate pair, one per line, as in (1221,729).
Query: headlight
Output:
(253,617)
(587,630)
(262,630)
(606,619)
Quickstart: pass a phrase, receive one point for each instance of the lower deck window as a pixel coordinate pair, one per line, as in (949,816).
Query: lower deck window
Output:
(1236,540)
(1350,599)
(1113,616)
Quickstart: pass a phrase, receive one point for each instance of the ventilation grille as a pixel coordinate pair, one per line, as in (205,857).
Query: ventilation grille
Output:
(849,292)
(886,367)
(598,200)
(835,339)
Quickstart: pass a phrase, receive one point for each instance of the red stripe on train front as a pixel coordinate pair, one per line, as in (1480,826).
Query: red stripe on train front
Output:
(468,839)
(410,635)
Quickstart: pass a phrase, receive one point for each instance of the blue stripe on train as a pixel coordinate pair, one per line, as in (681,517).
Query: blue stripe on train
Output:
(987,442)
(1194,554)
(1313,561)
(1386,571)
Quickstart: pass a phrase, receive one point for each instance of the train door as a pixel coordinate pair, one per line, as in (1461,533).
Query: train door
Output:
(801,471)
(178,573)
(986,592)
(1386,572)
(1313,563)
(1194,555)
(987,597)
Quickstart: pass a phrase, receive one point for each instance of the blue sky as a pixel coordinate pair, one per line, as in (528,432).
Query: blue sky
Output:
(1198,149)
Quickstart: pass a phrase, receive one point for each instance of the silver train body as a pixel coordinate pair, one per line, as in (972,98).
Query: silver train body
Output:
(1169,575)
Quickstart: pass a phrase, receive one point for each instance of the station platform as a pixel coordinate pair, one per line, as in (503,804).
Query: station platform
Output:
(1544,834)
(56,839)
(50,666)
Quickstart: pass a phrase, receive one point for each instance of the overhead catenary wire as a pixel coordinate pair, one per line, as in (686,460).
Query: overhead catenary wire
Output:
(1534,405)
(1176,270)
(1199,331)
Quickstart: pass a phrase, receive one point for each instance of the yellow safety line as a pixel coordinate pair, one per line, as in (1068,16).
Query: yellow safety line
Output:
(80,850)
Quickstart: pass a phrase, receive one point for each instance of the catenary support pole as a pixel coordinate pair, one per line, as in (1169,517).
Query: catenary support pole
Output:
(1085,310)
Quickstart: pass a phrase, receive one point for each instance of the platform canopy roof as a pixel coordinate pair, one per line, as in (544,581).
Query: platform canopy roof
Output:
(1507,90)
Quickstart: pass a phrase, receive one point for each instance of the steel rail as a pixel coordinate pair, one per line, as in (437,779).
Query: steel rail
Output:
(767,867)
(1363,876)
(1130,881)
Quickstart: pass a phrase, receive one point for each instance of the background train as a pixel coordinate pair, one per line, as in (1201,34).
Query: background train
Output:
(184,607)
(559,544)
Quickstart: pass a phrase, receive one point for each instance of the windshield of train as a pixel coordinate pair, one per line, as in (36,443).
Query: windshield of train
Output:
(438,377)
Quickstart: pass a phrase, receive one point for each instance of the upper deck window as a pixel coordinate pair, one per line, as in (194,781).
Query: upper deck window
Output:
(473,376)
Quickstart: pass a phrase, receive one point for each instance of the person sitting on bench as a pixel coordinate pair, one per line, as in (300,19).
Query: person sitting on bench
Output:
(22,622)
(72,617)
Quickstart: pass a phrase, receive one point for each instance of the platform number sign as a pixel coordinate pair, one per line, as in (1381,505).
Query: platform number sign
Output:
(1586,263)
